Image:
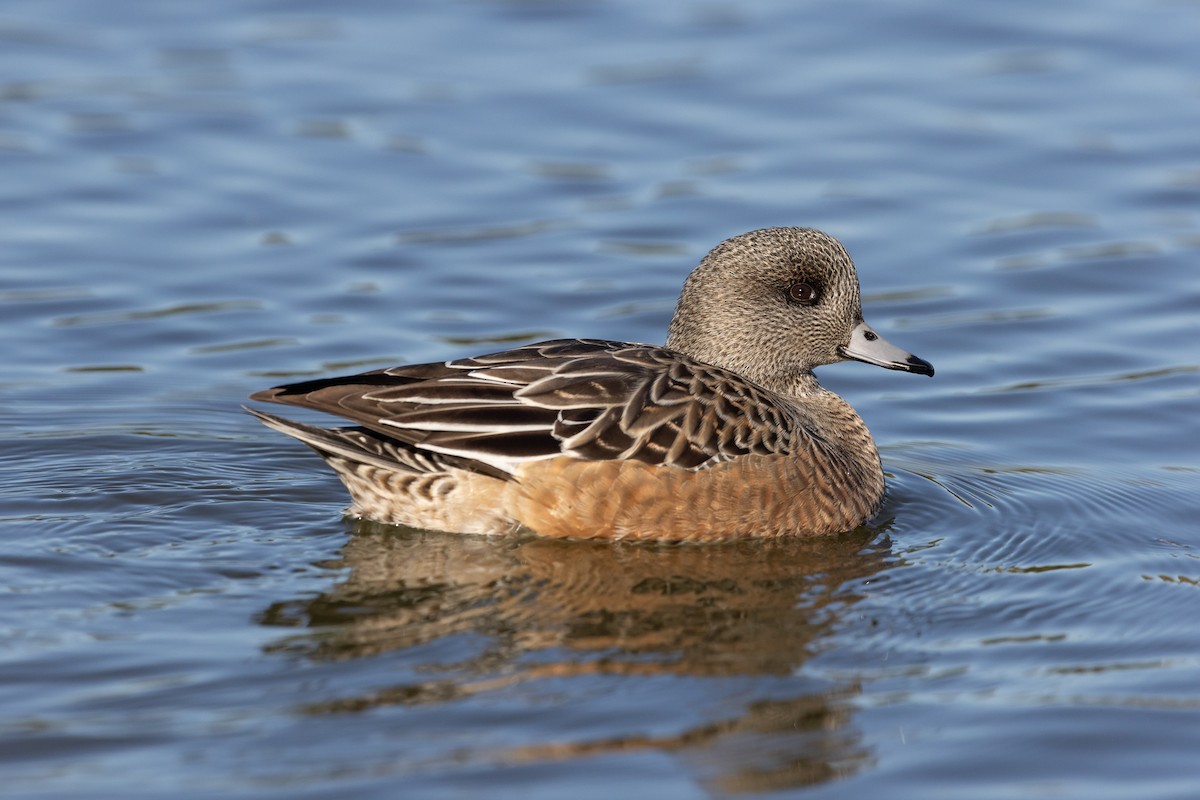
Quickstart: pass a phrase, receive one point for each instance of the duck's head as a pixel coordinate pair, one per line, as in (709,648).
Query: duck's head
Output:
(774,303)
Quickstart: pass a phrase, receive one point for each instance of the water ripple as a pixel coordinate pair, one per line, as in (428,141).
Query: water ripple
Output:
(181,309)
(1078,381)
(481,233)
(1039,220)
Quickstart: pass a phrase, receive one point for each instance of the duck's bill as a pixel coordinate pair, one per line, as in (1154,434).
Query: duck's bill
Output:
(869,347)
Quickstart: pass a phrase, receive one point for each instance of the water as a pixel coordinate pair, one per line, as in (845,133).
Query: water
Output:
(201,200)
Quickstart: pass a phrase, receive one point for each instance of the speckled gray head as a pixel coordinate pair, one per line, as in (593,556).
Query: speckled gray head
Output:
(772,304)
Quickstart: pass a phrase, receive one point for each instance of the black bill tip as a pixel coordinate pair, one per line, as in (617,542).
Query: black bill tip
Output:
(919,366)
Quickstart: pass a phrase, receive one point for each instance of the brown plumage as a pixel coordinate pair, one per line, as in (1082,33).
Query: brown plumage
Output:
(724,432)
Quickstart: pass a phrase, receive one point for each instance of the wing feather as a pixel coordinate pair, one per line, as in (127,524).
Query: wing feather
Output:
(584,398)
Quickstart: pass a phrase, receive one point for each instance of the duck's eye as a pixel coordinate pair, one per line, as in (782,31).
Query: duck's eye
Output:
(802,293)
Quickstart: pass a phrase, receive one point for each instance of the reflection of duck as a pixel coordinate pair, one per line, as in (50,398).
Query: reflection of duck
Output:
(572,613)
(725,432)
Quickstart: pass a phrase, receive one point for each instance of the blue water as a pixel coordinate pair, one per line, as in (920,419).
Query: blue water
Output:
(200,200)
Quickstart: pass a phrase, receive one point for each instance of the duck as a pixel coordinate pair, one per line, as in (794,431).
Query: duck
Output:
(722,433)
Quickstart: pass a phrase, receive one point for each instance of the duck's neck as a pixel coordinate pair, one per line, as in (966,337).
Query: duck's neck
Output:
(837,426)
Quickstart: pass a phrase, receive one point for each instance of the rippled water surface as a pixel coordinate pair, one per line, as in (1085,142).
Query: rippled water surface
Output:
(203,199)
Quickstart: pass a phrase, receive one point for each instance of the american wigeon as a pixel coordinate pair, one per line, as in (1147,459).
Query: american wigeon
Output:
(724,432)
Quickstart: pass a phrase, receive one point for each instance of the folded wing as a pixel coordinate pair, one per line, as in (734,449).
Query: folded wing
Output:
(585,398)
